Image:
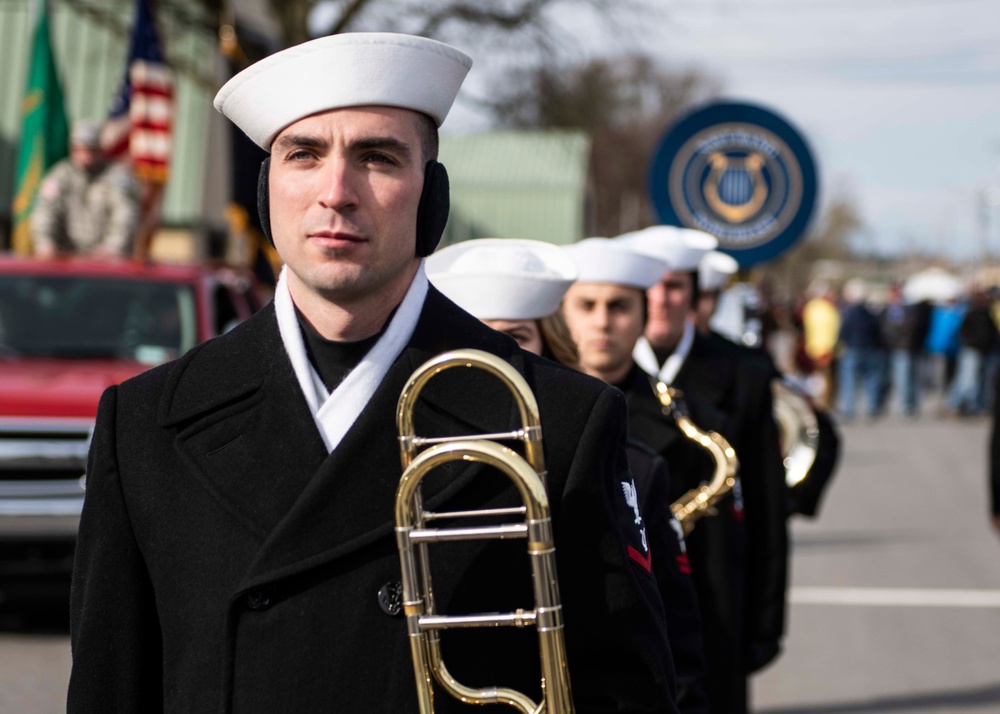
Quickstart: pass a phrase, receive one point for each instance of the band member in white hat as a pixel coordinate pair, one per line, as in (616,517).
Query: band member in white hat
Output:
(714,271)
(605,310)
(236,548)
(744,633)
(516,287)
(512,285)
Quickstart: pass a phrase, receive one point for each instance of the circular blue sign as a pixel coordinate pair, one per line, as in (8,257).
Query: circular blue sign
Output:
(739,172)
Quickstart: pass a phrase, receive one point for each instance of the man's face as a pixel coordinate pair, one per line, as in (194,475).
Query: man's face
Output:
(344,190)
(669,305)
(605,321)
(85,157)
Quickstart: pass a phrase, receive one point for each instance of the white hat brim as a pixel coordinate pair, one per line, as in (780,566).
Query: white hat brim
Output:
(497,291)
(611,262)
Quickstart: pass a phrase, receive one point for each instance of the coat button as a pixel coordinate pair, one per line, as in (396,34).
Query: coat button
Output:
(390,598)
(258,600)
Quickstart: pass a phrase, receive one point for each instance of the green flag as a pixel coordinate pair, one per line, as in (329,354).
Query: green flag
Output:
(44,129)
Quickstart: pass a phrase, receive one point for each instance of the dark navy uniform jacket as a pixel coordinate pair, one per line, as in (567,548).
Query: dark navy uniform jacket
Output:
(227,563)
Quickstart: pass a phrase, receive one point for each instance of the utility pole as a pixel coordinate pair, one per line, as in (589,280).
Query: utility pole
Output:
(988,199)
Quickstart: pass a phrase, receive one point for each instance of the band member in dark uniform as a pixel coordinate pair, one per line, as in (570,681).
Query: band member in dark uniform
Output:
(808,470)
(711,373)
(236,549)
(606,320)
(521,295)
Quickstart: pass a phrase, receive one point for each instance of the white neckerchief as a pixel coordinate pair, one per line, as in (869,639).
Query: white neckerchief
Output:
(645,357)
(337,411)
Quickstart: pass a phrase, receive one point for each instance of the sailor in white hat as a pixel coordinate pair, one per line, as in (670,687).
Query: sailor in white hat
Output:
(670,327)
(605,310)
(731,394)
(510,284)
(236,548)
(714,272)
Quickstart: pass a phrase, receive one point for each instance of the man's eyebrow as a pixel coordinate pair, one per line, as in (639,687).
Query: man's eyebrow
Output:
(289,141)
(385,143)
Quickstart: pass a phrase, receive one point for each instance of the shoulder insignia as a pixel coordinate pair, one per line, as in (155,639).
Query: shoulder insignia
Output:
(683,563)
(49,190)
(636,527)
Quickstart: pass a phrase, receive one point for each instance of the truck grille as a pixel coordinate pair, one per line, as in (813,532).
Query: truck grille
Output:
(42,464)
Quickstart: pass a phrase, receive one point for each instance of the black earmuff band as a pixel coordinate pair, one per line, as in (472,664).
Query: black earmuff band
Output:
(432,214)
(263,201)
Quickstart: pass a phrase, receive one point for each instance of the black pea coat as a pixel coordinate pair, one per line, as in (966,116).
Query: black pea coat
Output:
(672,569)
(716,546)
(738,382)
(227,563)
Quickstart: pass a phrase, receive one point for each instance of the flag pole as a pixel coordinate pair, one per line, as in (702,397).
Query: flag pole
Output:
(44,127)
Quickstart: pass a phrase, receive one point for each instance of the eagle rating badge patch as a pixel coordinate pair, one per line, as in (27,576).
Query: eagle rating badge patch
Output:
(739,172)
(638,549)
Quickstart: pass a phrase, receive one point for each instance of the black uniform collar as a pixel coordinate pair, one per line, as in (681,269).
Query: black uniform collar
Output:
(334,360)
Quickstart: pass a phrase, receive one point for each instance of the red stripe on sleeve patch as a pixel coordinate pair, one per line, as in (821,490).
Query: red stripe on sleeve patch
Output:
(683,564)
(646,561)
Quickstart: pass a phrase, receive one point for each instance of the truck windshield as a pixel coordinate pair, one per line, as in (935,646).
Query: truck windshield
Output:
(73,316)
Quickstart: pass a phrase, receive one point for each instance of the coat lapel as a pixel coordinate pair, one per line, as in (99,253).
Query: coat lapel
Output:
(350,499)
(705,374)
(246,432)
(647,423)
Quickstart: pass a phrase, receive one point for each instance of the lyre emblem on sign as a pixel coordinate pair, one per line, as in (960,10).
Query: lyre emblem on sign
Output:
(735,188)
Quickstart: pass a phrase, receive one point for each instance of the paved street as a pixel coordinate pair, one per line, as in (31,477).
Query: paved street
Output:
(896,597)
(905,525)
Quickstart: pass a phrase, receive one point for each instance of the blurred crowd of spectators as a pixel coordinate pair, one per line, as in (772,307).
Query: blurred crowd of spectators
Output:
(895,353)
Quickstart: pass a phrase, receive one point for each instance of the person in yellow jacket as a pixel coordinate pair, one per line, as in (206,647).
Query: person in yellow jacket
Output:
(821,326)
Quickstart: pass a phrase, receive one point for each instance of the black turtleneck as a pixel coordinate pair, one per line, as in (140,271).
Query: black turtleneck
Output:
(661,355)
(334,360)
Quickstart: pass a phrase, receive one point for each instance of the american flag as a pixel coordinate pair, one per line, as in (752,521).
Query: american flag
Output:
(139,123)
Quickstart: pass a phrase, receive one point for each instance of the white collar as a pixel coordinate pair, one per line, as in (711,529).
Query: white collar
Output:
(645,357)
(337,411)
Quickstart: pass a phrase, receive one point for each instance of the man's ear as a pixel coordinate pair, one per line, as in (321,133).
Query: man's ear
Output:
(432,213)
(263,199)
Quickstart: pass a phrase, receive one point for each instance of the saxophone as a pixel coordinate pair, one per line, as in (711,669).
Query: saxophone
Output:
(700,501)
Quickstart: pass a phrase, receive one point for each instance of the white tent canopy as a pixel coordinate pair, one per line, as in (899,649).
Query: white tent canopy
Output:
(934,284)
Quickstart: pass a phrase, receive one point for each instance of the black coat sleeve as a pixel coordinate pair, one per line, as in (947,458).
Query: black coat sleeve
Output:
(762,476)
(615,631)
(112,612)
(673,576)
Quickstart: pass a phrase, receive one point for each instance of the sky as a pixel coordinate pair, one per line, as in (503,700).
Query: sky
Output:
(899,99)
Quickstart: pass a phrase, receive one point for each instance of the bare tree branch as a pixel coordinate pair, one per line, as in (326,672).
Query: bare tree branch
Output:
(482,15)
(353,9)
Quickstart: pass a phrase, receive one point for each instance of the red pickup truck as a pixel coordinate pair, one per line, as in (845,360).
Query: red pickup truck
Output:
(70,328)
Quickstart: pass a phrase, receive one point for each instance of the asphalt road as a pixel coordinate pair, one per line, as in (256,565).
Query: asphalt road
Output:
(895,600)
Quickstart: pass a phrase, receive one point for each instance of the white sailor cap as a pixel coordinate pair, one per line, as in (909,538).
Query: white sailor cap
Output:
(680,248)
(347,70)
(715,269)
(601,260)
(503,279)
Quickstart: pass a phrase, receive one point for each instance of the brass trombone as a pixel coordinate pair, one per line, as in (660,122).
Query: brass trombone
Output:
(413,536)
(698,502)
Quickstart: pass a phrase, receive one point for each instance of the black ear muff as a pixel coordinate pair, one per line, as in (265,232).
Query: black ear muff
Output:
(263,202)
(432,214)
